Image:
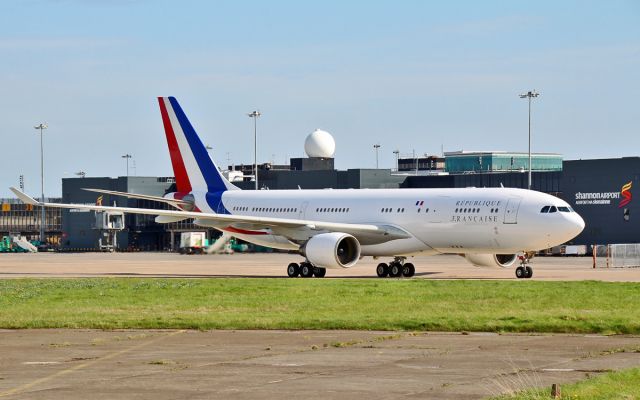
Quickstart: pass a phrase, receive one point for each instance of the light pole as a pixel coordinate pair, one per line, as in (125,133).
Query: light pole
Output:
(397,153)
(42,127)
(529,95)
(255,115)
(127,157)
(376,146)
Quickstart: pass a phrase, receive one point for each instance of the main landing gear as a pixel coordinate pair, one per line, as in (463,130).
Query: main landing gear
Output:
(524,271)
(305,270)
(396,269)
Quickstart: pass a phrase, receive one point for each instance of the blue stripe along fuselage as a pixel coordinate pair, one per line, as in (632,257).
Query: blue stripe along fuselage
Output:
(214,200)
(211,176)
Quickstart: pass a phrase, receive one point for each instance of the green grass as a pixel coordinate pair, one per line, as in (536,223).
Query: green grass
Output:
(613,385)
(242,303)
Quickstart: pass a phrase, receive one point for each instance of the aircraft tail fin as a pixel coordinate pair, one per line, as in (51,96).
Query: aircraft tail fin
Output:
(193,167)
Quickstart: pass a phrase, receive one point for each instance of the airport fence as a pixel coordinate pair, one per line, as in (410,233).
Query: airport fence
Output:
(619,255)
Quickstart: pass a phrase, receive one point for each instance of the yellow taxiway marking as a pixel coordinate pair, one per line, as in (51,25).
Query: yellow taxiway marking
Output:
(84,365)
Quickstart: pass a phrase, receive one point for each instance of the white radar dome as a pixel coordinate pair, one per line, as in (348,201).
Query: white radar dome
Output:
(320,144)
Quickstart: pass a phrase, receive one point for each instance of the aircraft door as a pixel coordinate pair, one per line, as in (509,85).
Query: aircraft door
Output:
(303,209)
(439,209)
(511,210)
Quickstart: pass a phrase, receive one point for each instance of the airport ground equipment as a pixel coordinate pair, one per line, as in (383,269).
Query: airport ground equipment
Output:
(16,244)
(193,242)
(5,245)
(22,243)
(109,223)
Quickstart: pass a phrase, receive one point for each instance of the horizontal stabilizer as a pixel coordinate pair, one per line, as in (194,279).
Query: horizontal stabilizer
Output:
(173,202)
(24,197)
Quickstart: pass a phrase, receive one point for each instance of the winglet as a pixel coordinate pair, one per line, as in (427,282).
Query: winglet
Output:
(23,197)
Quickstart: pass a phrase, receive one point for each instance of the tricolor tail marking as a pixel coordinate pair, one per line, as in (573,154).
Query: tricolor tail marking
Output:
(192,165)
(182,179)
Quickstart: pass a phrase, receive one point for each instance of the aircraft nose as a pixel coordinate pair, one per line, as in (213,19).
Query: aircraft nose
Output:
(578,223)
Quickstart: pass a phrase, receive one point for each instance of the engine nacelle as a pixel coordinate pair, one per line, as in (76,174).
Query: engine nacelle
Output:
(332,250)
(492,260)
(186,197)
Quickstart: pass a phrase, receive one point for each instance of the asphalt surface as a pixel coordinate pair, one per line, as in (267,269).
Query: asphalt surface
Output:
(81,364)
(274,265)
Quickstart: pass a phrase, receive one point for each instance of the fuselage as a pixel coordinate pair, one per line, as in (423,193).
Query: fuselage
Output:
(469,220)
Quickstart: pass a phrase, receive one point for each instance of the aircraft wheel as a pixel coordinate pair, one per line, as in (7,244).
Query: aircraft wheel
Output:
(293,270)
(408,270)
(319,272)
(382,270)
(306,270)
(395,270)
(528,272)
(520,272)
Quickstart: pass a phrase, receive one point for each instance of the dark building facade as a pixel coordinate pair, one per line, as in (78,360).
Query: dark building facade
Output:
(602,192)
(141,231)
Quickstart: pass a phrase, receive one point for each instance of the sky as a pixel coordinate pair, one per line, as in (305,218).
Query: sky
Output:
(410,75)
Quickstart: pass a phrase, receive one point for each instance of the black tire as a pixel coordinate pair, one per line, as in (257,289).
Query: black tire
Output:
(319,272)
(395,270)
(528,272)
(408,270)
(382,270)
(293,270)
(520,272)
(306,270)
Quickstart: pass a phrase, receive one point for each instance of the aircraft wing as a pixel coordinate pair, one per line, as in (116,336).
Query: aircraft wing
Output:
(174,203)
(293,229)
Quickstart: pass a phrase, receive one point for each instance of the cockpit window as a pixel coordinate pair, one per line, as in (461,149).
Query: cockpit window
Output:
(553,209)
(564,209)
(545,209)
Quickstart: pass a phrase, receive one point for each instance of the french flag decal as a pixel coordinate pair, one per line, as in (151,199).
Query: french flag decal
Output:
(419,202)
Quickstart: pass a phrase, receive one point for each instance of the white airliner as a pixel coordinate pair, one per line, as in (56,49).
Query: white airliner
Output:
(336,228)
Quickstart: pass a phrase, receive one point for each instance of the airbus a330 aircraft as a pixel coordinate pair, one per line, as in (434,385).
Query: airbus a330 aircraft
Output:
(335,228)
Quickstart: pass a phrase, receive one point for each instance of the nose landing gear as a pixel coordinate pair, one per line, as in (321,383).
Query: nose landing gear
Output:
(524,270)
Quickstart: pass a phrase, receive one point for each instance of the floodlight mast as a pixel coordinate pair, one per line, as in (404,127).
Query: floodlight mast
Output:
(397,153)
(127,157)
(376,147)
(255,114)
(42,127)
(529,95)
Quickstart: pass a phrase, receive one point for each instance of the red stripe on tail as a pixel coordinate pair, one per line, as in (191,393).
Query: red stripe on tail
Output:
(182,179)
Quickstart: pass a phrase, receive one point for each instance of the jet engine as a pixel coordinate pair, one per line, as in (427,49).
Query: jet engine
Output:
(187,201)
(492,260)
(332,250)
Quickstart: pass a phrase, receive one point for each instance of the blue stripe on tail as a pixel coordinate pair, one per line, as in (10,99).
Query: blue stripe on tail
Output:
(212,177)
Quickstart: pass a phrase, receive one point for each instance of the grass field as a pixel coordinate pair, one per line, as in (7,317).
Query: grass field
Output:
(613,385)
(243,303)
